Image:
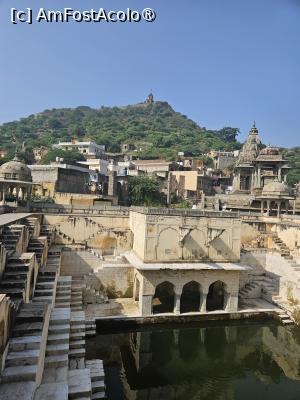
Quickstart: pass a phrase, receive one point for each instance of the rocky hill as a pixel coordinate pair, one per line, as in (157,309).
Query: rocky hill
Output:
(155,129)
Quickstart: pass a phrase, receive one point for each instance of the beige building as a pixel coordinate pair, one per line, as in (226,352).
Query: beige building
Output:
(185,261)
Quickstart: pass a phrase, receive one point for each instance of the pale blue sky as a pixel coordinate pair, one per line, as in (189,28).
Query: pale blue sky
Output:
(220,62)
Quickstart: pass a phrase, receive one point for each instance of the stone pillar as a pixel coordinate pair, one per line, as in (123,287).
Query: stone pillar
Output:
(278,209)
(259,176)
(262,208)
(203,302)
(279,174)
(232,302)
(177,303)
(146,305)
(268,207)
(112,183)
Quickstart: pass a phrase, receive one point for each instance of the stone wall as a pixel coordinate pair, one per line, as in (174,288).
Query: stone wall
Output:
(115,277)
(166,238)
(5,325)
(3,257)
(109,233)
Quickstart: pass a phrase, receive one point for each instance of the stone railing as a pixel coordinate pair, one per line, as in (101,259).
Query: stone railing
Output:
(185,212)
(47,208)
(119,210)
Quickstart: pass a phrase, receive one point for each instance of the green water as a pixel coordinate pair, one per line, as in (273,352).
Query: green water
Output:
(243,362)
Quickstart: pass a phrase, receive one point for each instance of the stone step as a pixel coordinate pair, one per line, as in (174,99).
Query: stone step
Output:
(24,343)
(12,275)
(26,329)
(57,349)
(77,328)
(58,329)
(13,292)
(56,361)
(76,308)
(19,358)
(44,285)
(77,335)
(62,305)
(98,386)
(79,382)
(46,278)
(76,303)
(287,321)
(43,299)
(61,299)
(14,283)
(60,319)
(77,344)
(58,338)
(77,352)
(98,396)
(43,292)
(20,373)
(91,333)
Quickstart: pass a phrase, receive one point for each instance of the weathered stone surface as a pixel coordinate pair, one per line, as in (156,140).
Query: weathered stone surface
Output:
(50,391)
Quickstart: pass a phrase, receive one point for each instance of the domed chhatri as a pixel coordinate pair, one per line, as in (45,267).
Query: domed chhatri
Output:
(276,188)
(15,183)
(15,170)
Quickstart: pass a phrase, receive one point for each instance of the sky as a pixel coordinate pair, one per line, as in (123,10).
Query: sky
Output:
(220,62)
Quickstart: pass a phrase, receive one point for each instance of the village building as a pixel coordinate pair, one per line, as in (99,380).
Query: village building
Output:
(89,148)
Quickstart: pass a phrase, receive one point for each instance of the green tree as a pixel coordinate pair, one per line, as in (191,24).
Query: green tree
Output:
(144,191)
(69,156)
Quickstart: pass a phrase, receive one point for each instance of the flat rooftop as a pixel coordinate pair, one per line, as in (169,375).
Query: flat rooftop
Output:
(136,262)
(6,219)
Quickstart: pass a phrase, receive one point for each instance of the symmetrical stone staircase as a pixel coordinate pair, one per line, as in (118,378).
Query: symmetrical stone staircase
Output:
(45,288)
(261,286)
(25,359)
(46,355)
(97,378)
(77,340)
(16,275)
(48,231)
(37,245)
(285,252)
(76,293)
(10,236)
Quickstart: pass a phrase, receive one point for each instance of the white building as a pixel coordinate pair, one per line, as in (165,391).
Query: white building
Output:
(89,149)
(96,164)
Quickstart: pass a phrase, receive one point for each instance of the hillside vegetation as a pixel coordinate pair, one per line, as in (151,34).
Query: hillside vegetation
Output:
(156,130)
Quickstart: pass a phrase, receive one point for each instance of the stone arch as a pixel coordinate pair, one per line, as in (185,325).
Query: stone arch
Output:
(164,297)
(167,247)
(190,297)
(216,297)
(194,245)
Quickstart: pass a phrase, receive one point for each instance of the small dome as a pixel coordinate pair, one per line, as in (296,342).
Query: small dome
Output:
(276,188)
(270,151)
(15,170)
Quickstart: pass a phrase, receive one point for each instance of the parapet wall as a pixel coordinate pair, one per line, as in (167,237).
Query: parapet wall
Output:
(162,235)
